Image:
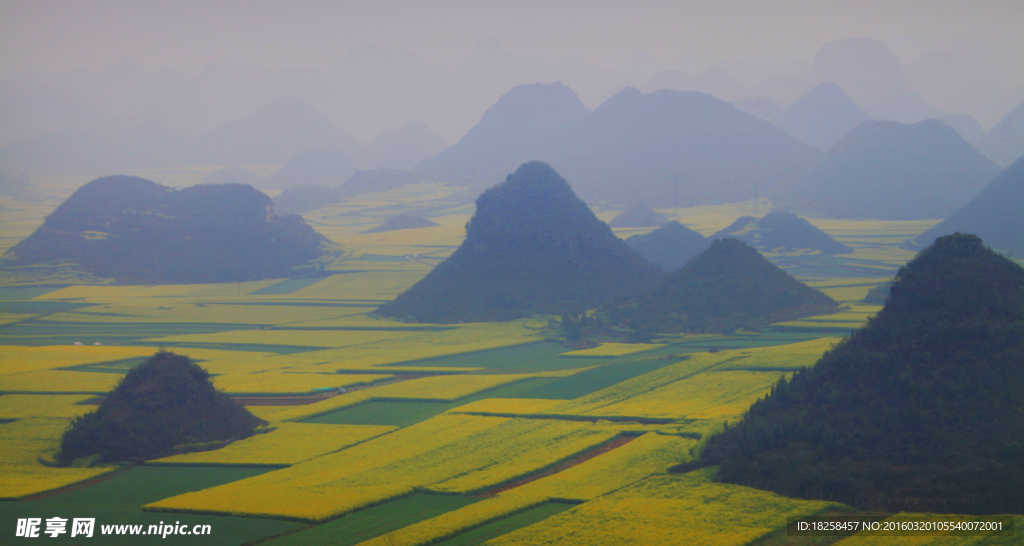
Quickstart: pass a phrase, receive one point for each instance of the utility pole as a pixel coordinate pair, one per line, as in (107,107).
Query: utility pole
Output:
(675,196)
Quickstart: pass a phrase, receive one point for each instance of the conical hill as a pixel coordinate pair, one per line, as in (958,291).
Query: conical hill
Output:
(639,215)
(670,246)
(532,247)
(782,231)
(726,287)
(165,402)
(926,402)
(996,214)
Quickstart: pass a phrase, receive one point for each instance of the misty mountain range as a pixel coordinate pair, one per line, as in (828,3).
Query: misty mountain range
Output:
(374,89)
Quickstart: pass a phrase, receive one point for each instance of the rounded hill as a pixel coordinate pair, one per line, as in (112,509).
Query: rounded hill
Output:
(165,402)
(136,231)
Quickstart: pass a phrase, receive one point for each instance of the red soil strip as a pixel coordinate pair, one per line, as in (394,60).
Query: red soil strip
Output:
(75,486)
(581,458)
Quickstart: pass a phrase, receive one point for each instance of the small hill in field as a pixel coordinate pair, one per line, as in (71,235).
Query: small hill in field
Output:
(639,215)
(924,403)
(670,246)
(402,221)
(782,232)
(532,247)
(139,232)
(891,171)
(304,198)
(996,214)
(165,402)
(727,287)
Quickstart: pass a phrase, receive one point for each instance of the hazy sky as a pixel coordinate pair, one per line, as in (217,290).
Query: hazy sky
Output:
(47,35)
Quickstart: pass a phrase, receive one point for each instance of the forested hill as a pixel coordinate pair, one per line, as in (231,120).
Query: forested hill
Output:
(925,402)
(136,231)
(532,247)
(726,287)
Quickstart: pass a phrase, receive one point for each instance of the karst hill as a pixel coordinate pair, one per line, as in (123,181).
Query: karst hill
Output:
(892,171)
(137,231)
(639,215)
(165,402)
(782,232)
(996,214)
(926,402)
(727,287)
(532,247)
(670,246)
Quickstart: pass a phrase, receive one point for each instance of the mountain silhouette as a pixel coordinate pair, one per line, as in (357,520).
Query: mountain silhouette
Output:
(782,232)
(1004,144)
(639,215)
(531,247)
(887,170)
(821,116)
(139,232)
(995,215)
(670,246)
(726,287)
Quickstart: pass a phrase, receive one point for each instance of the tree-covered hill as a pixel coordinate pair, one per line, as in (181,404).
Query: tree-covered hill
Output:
(532,247)
(165,402)
(136,231)
(925,402)
(726,287)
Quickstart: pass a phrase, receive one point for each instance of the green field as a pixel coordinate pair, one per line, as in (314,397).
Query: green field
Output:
(403,414)
(506,525)
(118,501)
(375,521)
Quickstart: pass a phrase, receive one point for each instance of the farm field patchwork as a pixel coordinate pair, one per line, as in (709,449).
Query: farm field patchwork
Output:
(450,453)
(117,500)
(369,465)
(288,444)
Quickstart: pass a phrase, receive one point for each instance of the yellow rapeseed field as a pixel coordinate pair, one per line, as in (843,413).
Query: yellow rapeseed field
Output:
(278,382)
(663,509)
(288,444)
(59,381)
(17,359)
(24,441)
(288,338)
(18,406)
(324,487)
(709,395)
(452,523)
(451,453)
(649,454)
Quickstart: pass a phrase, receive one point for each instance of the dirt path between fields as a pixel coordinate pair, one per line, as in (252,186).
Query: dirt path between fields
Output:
(579,459)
